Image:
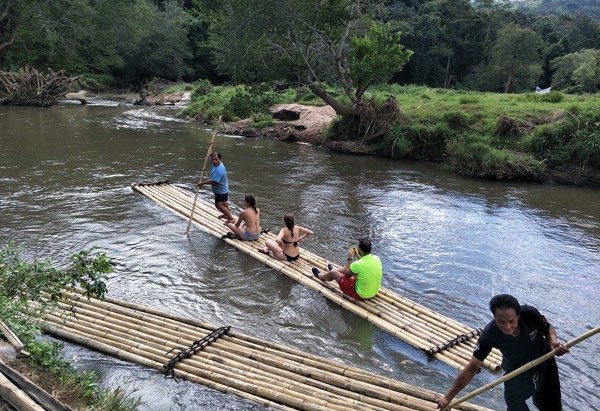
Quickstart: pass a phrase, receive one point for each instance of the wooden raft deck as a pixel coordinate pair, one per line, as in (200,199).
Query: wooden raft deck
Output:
(269,374)
(438,336)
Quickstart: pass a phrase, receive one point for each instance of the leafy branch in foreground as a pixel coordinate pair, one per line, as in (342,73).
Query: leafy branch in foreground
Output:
(22,282)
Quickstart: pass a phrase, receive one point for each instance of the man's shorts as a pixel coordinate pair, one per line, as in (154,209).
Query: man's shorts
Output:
(347,287)
(221,198)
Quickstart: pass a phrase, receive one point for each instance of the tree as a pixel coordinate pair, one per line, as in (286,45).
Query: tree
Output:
(579,69)
(516,57)
(315,42)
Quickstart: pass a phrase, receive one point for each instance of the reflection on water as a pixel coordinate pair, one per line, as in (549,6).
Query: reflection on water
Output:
(445,241)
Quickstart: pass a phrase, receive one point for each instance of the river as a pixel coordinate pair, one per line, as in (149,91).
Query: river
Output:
(447,242)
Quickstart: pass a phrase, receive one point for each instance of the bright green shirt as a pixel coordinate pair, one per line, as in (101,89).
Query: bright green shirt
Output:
(368,275)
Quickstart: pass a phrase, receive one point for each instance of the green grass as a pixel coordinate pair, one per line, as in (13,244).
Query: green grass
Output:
(490,135)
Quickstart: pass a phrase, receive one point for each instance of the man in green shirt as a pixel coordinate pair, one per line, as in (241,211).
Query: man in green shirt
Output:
(360,279)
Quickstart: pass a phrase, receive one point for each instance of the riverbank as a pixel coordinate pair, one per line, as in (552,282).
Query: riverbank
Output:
(545,138)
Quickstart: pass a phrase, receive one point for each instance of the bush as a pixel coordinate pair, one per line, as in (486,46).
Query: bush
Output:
(395,144)
(262,120)
(552,97)
(575,140)
(22,282)
(457,120)
(475,157)
(203,87)
(468,100)
(246,101)
(417,141)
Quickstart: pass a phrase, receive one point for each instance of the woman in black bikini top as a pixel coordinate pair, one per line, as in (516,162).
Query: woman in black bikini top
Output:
(286,250)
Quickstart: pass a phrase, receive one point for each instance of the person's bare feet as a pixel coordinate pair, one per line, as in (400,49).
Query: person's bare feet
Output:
(222,217)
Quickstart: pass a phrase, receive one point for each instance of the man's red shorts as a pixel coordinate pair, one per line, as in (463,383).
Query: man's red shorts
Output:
(347,287)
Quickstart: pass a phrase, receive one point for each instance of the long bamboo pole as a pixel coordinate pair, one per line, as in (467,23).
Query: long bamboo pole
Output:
(11,337)
(524,368)
(16,397)
(208,152)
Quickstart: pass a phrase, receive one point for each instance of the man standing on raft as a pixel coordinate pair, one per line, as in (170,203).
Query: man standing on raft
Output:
(218,183)
(522,334)
(360,279)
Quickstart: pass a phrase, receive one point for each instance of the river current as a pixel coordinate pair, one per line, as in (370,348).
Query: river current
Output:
(447,242)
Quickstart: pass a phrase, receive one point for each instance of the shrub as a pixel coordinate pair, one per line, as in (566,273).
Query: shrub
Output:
(395,144)
(474,157)
(457,120)
(575,140)
(552,97)
(203,87)
(246,101)
(468,100)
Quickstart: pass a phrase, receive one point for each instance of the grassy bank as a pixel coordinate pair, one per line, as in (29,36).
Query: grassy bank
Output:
(23,282)
(487,135)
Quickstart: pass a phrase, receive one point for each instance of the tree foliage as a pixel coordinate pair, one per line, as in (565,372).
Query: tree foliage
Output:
(579,70)
(315,42)
(39,282)
(516,57)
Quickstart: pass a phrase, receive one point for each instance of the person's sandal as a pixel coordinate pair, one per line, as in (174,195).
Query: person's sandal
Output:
(230,235)
(264,250)
(316,272)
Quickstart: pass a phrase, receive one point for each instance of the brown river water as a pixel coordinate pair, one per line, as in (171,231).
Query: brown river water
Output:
(447,242)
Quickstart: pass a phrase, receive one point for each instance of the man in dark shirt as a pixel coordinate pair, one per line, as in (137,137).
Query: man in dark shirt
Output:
(521,334)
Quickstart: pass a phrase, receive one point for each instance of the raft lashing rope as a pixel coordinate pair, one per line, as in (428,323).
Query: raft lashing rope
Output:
(191,350)
(273,375)
(453,342)
(438,336)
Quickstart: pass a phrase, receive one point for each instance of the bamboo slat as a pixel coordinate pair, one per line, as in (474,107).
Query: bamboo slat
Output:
(17,398)
(411,322)
(270,374)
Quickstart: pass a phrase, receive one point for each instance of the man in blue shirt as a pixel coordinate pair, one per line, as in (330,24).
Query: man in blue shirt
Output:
(218,183)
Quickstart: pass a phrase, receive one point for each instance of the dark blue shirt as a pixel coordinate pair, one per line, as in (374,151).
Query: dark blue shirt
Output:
(516,351)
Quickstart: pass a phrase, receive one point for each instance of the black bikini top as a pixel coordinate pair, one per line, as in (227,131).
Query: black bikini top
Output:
(290,242)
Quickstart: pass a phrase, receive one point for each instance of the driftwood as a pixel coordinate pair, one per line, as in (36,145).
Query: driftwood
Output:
(29,87)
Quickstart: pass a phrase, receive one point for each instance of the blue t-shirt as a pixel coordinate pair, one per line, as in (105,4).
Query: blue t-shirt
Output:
(218,175)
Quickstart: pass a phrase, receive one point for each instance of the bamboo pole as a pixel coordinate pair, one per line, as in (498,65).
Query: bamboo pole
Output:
(524,368)
(209,151)
(35,392)
(11,337)
(17,398)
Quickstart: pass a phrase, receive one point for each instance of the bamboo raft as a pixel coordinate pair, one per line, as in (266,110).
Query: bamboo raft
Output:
(269,374)
(438,336)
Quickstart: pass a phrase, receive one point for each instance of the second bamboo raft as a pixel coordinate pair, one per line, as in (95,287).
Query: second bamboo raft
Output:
(439,336)
(270,374)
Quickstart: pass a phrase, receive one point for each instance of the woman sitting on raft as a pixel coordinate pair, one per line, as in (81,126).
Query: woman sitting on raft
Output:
(251,219)
(285,247)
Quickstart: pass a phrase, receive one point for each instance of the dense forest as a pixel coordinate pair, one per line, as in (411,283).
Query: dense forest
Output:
(477,45)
